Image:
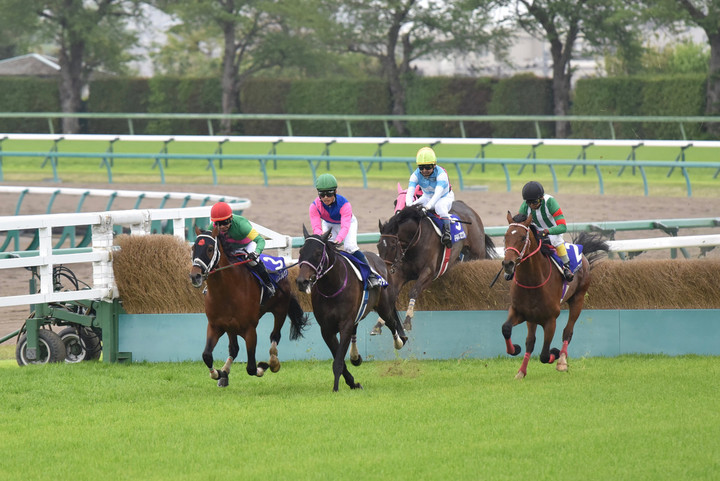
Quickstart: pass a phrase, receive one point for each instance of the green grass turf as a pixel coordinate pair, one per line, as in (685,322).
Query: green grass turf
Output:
(189,171)
(630,417)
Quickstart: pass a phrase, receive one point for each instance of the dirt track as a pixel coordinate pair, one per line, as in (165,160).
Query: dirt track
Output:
(285,209)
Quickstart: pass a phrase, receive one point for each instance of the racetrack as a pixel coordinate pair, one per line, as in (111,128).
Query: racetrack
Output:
(285,209)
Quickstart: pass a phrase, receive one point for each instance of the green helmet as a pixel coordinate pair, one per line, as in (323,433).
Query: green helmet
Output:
(326,182)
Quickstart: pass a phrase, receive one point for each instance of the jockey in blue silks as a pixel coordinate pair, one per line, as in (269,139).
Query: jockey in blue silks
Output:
(437,191)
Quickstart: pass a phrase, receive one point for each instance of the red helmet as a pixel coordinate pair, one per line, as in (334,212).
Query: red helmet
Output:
(220,211)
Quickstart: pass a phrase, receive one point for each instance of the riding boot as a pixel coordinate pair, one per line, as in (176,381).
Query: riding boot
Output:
(567,273)
(445,239)
(260,269)
(373,280)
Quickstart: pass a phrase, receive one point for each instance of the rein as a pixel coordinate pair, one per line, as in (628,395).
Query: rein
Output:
(400,253)
(238,263)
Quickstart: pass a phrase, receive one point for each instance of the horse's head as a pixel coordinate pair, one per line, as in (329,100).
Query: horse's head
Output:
(205,254)
(314,259)
(399,234)
(518,242)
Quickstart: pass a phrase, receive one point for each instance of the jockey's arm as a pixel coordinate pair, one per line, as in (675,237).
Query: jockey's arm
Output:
(345,220)
(315,220)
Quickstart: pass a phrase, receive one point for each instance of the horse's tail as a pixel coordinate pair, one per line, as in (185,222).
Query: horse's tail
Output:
(298,319)
(594,246)
(490,252)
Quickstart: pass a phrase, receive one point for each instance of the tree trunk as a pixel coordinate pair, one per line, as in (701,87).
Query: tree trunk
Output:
(561,88)
(71,84)
(712,106)
(229,78)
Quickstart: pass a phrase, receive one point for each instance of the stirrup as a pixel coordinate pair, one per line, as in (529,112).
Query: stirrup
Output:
(446,241)
(567,274)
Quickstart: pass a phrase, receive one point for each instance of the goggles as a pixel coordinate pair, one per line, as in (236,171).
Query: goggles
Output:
(326,193)
(426,166)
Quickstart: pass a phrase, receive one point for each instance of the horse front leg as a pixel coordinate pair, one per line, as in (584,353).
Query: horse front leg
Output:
(355,357)
(513,320)
(213,335)
(274,361)
(547,355)
(529,347)
(424,280)
(253,368)
(339,365)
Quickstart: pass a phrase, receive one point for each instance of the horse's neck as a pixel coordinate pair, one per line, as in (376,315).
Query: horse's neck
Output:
(535,264)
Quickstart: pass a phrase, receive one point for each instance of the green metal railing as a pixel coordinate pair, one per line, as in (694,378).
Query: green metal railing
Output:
(365,163)
(349,120)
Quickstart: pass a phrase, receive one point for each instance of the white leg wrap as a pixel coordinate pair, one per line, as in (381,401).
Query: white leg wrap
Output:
(411,308)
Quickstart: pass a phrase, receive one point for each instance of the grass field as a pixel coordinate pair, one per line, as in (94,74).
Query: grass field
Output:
(631,417)
(298,172)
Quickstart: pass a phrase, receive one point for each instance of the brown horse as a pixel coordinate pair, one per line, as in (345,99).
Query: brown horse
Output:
(232,307)
(340,301)
(539,288)
(410,245)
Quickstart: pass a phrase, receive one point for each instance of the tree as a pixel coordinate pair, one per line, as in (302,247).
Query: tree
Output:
(695,13)
(563,23)
(397,32)
(88,35)
(255,35)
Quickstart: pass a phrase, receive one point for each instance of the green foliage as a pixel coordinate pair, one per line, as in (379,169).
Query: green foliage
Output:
(448,96)
(684,57)
(679,95)
(607,96)
(523,94)
(28,94)
(337,96)
(266,96)
(118,94)
(673,96)
(191,95)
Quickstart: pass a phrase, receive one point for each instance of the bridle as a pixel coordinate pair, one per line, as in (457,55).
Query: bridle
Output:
(323,267)
(206,268)
(209,268)
(522,257)
(399,251)
(521,253)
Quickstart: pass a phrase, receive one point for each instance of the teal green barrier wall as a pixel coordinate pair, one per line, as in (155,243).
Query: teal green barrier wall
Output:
(439,335)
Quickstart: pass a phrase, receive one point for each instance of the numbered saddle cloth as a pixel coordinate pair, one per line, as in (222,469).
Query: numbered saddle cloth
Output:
(364,270)
(574,252)
(457,233)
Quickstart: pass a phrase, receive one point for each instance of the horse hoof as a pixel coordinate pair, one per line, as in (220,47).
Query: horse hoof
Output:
(357,386)
(517,349)
(398,343)
(376,331)
(562,365)
(407,325)
(274,364)
(520,375)
(223,380)
(356,362)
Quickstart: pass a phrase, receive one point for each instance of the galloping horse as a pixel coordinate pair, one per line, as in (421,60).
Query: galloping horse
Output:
(410,245)
(539,288)
(232,306)
(339,300)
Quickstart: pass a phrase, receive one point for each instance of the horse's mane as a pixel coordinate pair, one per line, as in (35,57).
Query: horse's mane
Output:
(545,247)
(408,213)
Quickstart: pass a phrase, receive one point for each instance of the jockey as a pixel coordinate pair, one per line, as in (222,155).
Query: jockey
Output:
(436,188)
(548,217)
(237,232)
(333,212)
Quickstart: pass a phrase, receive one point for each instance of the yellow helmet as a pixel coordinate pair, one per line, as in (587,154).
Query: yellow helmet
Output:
(425,156)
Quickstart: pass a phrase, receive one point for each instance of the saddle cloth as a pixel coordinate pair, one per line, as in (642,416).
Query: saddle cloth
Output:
(574,254)
(457,233)
(276,266)
(364,270)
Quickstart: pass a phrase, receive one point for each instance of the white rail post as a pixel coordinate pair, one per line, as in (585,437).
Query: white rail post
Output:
(102,241)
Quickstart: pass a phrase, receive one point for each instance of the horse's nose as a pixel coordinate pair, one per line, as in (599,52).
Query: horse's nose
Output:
(196,280)
(509,268)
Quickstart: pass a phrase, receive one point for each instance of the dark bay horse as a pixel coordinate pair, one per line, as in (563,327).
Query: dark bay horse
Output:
(411,247)
(232,307)
(538,289)
(340,302)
